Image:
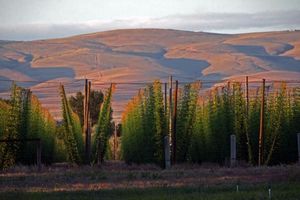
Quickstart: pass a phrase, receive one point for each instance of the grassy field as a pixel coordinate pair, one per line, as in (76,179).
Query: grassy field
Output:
(281,191)
(119,181)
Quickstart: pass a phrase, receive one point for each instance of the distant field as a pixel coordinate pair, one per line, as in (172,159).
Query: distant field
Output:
(119,181)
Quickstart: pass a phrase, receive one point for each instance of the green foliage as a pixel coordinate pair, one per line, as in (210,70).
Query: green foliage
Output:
(203,128)
(225,114)
(4,111)
(72,131)
(104,127)
(185,120)
(240,123)
(60,151)
(76,103)
(220,124)
(132,129)
(12,130)
(280,140)
(160,127)
(23,118)
(253,126)
(40,125)
(144,127)
(204,125)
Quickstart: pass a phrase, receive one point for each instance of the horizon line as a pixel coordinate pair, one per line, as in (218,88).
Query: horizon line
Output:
(171,29)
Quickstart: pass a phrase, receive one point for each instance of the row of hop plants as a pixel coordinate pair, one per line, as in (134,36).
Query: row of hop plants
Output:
(104,128)
(225,113)
(144,126)
(70,131)
(205,123)
(22,116)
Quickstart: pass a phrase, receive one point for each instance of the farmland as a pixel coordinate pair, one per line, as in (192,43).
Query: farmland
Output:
(264,120)
(203,124)
(150,100)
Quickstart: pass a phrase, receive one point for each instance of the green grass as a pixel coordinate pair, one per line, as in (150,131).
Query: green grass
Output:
(114,181)
(290,191)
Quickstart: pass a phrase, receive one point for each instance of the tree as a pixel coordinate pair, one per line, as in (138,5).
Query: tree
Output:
(96,99)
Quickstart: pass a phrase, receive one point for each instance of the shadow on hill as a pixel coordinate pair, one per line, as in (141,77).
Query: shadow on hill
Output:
(185,67)
(251,50)
(5,83)
(276,62)
(40,74)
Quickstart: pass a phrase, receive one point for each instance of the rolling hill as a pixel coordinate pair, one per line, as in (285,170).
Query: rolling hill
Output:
(141,55)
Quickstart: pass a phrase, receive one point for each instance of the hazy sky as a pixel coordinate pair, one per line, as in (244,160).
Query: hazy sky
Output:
(37,19)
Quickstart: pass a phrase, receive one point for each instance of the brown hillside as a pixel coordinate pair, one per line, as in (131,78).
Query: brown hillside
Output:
(145,54)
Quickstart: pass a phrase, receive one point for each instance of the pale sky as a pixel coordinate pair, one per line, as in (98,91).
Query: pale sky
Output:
(40,19)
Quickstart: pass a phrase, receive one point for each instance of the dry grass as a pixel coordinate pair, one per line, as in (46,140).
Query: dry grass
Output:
(117,175)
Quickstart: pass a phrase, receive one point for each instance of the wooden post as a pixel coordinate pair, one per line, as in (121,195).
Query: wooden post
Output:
(170,118)
(99,159)
(250,157)
(298,136)
(115,138)
(174,124)
(166,100)
(228,85)
(85,118)
(89,137)
(167,152)
(39,154)
(170,106)
(232,150)
(247,95)
(86,124)
(261,126)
